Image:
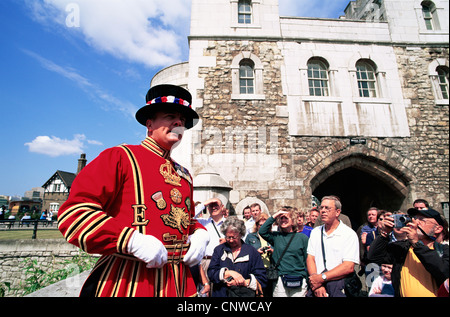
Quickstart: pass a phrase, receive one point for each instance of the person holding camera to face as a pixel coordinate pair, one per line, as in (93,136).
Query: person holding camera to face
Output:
(420,263)
(289,252)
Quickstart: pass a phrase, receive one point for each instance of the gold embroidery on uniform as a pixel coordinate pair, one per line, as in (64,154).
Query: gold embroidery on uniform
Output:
(176,219)
(159,200)
(172,238)
(170,175)
(176,196)
(139,216)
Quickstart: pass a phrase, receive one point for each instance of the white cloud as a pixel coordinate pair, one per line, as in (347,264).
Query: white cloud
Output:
(151,32)
(54,146)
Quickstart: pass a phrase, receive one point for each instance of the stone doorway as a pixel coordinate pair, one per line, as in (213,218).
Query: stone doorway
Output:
(361,184)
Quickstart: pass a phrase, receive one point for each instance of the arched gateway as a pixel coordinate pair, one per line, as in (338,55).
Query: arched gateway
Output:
(362,180)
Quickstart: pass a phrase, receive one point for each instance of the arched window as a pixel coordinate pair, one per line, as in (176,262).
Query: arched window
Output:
(443,81)
(438,70)
(429,15)
(318,78)
(367,79)
(247,77)
(245,12)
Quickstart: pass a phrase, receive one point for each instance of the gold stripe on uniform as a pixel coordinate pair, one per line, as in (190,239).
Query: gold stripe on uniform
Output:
(176,278)
(124,237)
(138,186)
(80,222)
(104,277)
(119,279)
(66,214)
(151,145)
(90,230)
(133,283)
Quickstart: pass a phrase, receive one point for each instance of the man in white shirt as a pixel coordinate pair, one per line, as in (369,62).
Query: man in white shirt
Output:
(212,224)
(216,210)
(340,244)
(256,211)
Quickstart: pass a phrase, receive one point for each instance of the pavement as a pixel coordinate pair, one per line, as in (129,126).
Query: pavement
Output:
(70,287)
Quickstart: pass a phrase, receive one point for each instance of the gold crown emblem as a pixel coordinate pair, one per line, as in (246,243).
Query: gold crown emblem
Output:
(169,174)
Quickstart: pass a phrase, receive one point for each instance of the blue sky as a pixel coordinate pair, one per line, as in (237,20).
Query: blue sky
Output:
(74,72)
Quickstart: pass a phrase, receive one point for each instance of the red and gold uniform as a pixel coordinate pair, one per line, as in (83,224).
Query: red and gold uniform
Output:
(128,188)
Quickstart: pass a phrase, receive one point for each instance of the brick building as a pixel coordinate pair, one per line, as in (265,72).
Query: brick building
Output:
(297,107)
(57,187)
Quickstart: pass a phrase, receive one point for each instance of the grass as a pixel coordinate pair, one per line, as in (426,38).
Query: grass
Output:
(28,234)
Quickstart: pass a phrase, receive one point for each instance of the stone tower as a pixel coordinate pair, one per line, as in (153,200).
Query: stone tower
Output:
(297,107)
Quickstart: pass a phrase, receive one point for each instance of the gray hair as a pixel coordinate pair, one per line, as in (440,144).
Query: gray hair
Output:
(337,201)
(234,224)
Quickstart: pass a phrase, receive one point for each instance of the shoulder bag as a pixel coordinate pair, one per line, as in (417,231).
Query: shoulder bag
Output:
(272,270)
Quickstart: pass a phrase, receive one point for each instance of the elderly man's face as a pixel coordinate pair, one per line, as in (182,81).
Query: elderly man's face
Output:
(166,128)
(215,208)
(328,211)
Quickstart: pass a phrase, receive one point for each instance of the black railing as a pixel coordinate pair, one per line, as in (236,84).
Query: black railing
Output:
(11,224)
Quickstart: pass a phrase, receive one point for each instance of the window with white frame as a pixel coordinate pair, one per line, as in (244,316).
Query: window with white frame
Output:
(318,78)
(443,81)
(54,207)
(245,12)
(367,79)
(247,77)
(429,12)
(438,70)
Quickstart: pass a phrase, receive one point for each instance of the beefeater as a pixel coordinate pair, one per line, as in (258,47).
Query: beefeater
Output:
(133,205)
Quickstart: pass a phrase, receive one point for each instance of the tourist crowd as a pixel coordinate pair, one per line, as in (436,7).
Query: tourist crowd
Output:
(317,253)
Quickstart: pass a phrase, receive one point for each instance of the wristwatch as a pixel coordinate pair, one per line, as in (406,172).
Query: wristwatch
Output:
(324,277)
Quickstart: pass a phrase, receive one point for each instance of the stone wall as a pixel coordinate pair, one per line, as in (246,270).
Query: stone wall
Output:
(428,147)
(413,167)
(238,159)
(50,254)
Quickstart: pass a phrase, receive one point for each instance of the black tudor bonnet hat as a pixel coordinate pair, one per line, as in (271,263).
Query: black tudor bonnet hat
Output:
(168,98)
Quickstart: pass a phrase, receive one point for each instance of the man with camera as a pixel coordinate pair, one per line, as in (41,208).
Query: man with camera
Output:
(420,264)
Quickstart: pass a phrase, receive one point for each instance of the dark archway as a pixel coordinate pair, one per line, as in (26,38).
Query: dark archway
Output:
(358,191)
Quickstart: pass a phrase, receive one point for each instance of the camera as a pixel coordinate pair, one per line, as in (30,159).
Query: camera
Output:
(400,221)
(265,249)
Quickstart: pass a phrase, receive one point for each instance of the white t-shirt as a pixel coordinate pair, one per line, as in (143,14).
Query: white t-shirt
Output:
(341,245)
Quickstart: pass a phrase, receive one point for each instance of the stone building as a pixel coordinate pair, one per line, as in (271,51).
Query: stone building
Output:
(297,107)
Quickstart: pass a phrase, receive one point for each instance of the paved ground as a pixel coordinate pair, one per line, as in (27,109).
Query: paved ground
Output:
(67,288)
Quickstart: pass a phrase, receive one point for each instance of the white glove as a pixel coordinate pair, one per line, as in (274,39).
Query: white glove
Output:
(148,249)
(199,241)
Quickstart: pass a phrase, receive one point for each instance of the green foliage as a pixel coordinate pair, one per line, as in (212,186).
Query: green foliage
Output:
(4,287)
(37,277)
